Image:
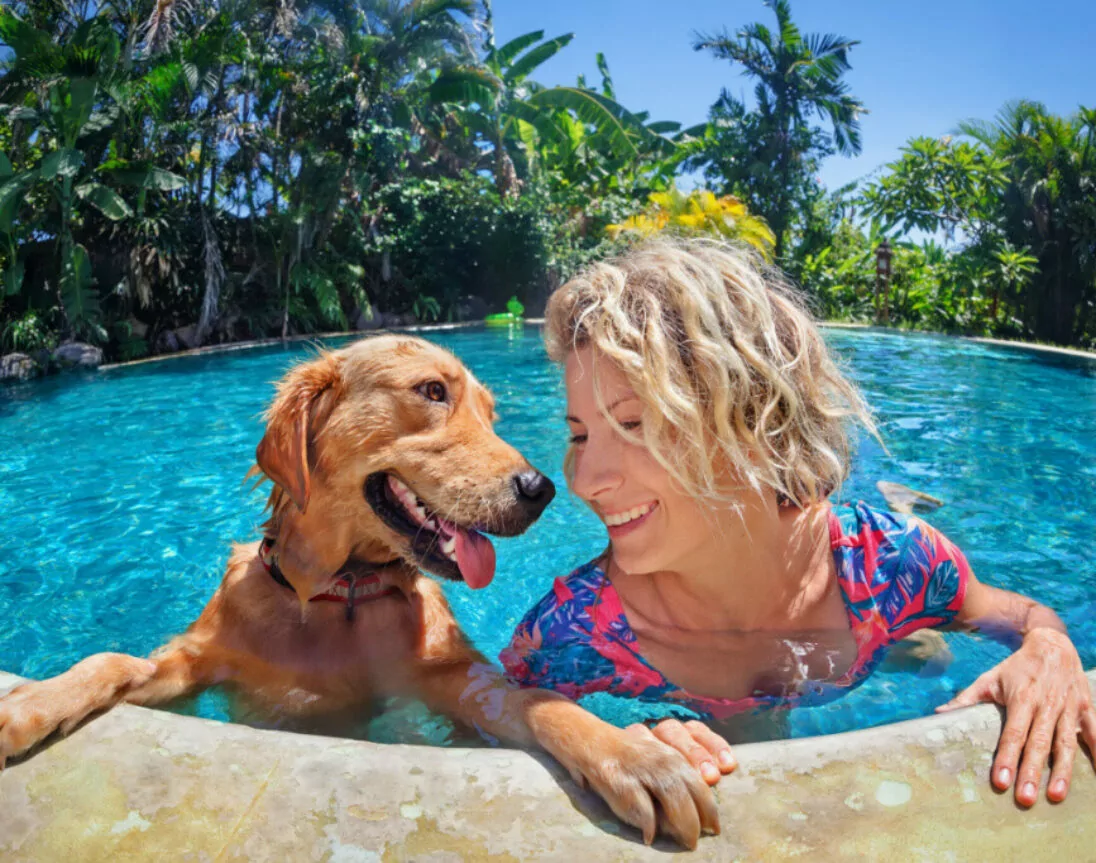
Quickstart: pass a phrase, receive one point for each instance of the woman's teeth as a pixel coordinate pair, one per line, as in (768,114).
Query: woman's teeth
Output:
(619,518)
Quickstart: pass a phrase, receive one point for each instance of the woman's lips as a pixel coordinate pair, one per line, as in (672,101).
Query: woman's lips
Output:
(617,531)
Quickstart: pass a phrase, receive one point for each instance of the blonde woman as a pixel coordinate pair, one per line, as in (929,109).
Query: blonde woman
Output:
(708,430)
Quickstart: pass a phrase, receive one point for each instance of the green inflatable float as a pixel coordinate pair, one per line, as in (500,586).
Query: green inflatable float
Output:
(512,317)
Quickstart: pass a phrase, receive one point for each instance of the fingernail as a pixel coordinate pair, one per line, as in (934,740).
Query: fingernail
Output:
(1029,790)
(709,771)
(1003,777)
(726,759)
(1060,787)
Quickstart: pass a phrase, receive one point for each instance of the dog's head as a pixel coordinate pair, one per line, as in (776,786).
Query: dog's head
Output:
(385,449)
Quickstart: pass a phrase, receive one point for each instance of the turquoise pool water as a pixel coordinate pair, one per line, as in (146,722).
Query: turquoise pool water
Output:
(121,491)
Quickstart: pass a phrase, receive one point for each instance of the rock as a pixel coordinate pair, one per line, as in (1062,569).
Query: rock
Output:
(167,342)
(18,367)
(391,319)
(361,320)
(905,500)
(188,335)
(44,359)
(78,355)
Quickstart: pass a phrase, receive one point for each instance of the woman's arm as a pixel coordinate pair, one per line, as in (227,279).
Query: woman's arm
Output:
(1042,686)
(1002,614)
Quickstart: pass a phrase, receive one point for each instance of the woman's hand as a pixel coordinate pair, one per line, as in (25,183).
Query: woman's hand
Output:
(709,753)
(1048,702)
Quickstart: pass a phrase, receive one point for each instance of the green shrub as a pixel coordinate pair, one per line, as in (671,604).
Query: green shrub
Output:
(447,239)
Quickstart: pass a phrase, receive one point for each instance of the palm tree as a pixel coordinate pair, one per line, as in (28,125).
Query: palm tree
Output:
(501,102)
(797,76)
(1048,206)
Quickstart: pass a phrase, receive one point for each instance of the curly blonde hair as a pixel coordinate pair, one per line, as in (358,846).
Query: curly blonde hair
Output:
(731,367)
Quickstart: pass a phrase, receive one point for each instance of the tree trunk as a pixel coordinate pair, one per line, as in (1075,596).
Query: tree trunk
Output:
(780,222)
(214,266)
(506,176)
(214,279)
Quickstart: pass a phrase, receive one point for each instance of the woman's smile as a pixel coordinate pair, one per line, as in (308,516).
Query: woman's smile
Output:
(626,521)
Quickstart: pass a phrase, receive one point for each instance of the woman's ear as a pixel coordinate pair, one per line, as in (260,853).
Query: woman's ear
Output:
(304,401)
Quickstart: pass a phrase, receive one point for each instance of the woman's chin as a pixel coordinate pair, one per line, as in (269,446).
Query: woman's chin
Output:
(634,561)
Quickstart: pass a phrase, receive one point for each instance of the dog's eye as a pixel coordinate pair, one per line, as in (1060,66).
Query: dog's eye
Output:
(433,390)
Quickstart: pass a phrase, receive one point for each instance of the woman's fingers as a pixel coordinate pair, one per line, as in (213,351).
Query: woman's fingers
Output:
(703,748)
(1018,718)
(983,689)
(714,743)
(1088,726)
(1065,748)
(1036,752)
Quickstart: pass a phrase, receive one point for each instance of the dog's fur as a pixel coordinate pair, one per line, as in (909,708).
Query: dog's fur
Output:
(336,421)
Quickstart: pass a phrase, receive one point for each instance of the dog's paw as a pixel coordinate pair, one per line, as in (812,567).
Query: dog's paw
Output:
(651,786)
(25,719)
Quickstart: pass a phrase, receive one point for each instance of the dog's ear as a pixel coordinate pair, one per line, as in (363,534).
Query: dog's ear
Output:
(305,399)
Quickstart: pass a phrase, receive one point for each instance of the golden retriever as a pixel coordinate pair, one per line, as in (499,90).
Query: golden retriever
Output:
(384,463)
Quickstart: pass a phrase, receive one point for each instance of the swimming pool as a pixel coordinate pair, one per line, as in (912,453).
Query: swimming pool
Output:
(121,491)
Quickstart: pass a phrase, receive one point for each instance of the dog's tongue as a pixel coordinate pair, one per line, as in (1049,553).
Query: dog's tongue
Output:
(476,558)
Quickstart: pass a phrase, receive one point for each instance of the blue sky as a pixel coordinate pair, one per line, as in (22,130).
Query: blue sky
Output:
(920,68)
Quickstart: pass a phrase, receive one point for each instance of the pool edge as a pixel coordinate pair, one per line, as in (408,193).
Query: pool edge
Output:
(427,328)
(137,783)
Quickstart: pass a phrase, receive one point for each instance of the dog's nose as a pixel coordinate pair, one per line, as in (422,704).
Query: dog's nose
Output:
(534,490)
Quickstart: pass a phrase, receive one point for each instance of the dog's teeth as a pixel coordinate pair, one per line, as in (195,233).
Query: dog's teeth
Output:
(448,547)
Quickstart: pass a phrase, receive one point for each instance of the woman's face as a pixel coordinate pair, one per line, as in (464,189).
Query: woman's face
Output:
(653,525)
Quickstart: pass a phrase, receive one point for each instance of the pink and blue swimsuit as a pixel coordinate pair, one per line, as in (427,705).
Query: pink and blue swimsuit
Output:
(897,575)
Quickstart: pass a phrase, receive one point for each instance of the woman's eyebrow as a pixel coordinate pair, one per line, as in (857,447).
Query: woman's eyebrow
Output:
(620,401)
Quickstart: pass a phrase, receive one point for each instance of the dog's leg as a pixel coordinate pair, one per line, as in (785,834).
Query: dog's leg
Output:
(33,711)
(645,782)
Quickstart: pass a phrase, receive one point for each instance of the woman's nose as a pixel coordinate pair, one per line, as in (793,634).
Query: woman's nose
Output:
(597,472)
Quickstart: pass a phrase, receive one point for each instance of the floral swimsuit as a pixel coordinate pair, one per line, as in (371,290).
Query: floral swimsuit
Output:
(896,573)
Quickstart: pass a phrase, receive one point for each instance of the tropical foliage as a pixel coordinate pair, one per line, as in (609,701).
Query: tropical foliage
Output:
(769,154)
(1018,194)
(174,174)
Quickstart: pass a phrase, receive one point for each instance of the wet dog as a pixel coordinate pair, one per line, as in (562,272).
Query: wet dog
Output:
(384,463)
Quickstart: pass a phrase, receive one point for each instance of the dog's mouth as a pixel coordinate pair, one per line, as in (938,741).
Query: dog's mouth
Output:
(439,546)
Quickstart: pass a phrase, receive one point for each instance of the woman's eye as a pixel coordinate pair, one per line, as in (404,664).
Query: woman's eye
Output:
(433,390)
(631,425)
(578,438)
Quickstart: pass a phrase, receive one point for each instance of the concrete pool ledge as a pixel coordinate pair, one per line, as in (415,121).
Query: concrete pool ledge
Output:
(140,784)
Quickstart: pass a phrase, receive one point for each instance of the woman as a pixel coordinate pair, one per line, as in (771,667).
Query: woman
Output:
(708,431)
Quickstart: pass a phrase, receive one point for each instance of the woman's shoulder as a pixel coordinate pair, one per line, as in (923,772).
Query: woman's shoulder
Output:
(910,570)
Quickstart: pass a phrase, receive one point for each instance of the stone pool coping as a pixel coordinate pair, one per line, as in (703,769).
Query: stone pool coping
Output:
(139,784)
(426,328)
